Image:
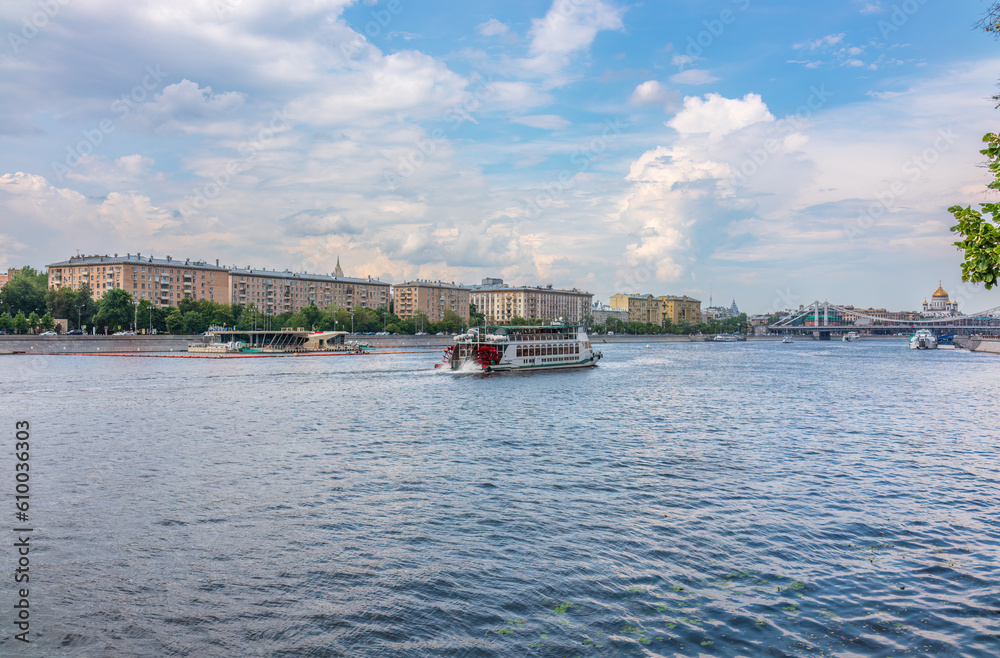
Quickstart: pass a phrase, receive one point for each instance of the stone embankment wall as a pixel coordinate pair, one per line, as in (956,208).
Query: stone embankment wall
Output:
(95,344)
(989,345)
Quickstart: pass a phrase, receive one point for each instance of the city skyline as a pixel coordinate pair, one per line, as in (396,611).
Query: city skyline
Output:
(764,151)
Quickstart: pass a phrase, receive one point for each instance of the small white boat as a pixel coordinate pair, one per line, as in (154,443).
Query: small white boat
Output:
(851,336)
(923,339)
(787,339)
(727,338)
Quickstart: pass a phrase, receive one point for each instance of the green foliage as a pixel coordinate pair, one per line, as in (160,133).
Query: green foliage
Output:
(25,292)
(194,322)
(47,322)
(475,317)
(115,310)
(6,322)
(20,323)
(981,236)
(34,321)
(175,321)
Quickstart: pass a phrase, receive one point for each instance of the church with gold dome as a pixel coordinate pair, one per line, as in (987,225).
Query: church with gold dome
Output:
(940,305)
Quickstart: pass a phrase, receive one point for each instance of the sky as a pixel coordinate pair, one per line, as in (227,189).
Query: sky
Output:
(771,152)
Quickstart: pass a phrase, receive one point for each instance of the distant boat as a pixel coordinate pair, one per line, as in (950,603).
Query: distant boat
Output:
(787,339)
(728,338)
(923,339)
(851,336)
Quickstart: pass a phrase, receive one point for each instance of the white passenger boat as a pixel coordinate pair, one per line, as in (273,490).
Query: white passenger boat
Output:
(923,339)
(506,348)
(851,336)
(787,339)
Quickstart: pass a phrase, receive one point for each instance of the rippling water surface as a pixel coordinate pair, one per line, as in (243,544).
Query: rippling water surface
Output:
(748,499)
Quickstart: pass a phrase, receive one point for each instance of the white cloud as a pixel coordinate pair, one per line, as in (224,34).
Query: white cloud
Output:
(871,8)
(650,92)
(569,26)
(681,61)
(515,95)
(821,43)
(719,116)
(544,121)
(693,77)
(406,84)
(492,28)
(186,108)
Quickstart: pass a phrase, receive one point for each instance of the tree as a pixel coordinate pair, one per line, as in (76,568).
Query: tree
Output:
(47,322)
(6,322)
(475,317)
(981,236)
(115,309)
(175,322)
(20,322)
(86,306)
(25,292)
(61,303)
(451,322)
(34,321)
(194,323)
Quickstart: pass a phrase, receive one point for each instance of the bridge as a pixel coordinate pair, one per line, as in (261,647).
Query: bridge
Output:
(823,319)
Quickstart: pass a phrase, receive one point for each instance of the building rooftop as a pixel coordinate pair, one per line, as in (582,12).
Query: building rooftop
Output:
(288,274)
(434,284)
(547,288)
(137,259)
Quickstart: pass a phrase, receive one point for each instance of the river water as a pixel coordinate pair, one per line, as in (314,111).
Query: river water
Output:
(738,499)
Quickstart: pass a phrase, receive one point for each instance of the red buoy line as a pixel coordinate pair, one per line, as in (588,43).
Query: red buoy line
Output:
(210,356)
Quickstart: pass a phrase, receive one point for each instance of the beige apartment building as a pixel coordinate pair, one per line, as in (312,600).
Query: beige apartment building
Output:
(7,276)
(165,281)
(500,303)
(641,308)
(162,281)
(680,309)
(433,298)
(276,292)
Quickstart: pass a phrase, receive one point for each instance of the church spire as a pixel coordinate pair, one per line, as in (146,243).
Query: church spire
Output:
(337,271)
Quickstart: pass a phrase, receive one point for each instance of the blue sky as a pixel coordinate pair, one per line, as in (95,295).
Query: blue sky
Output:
(771,152)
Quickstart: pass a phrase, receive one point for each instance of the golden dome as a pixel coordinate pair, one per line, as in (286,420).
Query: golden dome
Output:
(939,292)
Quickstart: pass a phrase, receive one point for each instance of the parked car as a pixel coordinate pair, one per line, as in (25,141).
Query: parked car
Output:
(48,333)
(420,333)
(75,332)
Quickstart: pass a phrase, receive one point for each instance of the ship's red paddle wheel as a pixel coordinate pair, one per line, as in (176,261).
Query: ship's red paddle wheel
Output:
(448,352)
(487,355)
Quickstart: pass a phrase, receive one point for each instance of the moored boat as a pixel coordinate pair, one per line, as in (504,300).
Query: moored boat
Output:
(508,348)
(851,336)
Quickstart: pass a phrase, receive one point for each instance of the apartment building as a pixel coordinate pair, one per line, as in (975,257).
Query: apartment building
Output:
(431,297)
(500,302)
(165,281)
(680,309)
(641,308)
(275,292)
(162,281)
